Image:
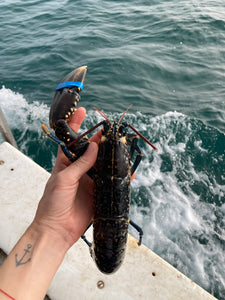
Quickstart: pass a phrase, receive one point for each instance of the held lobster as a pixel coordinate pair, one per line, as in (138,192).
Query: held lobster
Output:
(111,173)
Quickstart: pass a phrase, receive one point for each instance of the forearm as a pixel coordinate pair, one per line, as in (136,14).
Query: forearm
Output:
(31,265)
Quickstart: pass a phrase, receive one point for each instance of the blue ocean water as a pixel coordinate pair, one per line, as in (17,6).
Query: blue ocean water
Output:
(167,58)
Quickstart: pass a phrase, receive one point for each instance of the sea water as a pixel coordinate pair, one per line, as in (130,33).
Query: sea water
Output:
(167,58)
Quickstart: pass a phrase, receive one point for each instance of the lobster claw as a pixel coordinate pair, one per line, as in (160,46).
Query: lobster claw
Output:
(67,96)
(63,105)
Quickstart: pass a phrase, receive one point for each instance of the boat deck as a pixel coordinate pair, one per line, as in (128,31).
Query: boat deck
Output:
(143,275)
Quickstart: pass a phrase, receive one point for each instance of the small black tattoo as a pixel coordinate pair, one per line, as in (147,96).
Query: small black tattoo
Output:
(26,251)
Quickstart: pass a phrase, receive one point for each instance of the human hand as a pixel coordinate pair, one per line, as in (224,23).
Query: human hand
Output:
(63,214)
(66,207)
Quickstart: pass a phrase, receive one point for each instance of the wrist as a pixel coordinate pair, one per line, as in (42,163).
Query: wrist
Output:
(49,236)
(31,265)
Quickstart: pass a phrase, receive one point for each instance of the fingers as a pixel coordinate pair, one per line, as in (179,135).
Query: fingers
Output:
(77,118)
(77,169)
(96,137)
(76,121)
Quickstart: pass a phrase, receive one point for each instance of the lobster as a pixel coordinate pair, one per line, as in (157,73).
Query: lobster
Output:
(111,173)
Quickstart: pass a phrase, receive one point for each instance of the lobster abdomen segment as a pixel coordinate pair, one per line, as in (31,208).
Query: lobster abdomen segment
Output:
(110,237)
(107,195)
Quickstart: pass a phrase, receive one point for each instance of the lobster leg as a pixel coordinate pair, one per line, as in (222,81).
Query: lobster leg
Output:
(138,228)
(63,146)
(86,241)
(132,140)
(84,237)
(76,144)
(65,149)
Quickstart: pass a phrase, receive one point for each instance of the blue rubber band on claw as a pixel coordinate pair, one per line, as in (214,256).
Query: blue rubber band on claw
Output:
(69,84)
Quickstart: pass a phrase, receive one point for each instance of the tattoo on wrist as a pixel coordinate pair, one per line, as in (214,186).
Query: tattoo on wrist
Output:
(23,260)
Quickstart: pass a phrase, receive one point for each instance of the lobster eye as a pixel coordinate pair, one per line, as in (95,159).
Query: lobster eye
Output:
(106,126)
(121,129)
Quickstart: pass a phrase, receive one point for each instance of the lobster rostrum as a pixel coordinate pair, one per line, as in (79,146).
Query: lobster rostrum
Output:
(111,174)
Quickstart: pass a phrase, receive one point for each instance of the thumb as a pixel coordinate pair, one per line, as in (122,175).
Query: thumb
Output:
(77,169)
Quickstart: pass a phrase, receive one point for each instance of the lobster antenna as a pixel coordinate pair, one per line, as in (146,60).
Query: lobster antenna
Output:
(82,135)
(102,114)
(138,133)
(124,113)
